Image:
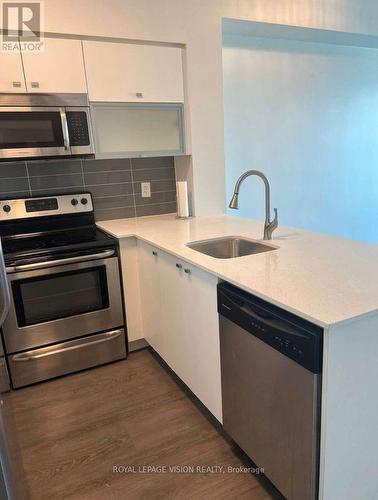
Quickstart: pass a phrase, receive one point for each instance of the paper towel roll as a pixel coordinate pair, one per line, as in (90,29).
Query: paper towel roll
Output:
(182,199)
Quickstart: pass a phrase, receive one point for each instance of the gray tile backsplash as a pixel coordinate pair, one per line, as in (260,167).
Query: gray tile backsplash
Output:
(112,177)
(115,184)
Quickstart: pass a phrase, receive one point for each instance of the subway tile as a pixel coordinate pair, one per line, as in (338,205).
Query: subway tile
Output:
(16,184)
(57,181)
(111,190)
(93,179)
(106,165)
(13,196)
(154,174)
(115,213)
(156,198)
(116,202)
(58,190)
(12,169)
(147,163)
(157,186)
(110,181)
(163,208)
(53,167)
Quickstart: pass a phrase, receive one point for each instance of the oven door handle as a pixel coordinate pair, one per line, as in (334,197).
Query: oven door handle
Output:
(30,357)
(59,262)
(66,134)
(4,288)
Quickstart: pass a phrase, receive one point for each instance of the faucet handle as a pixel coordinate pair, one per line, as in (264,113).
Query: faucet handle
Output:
(271,226)
(275,220)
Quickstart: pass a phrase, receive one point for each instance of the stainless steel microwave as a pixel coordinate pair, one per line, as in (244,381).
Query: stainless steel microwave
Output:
(44,125)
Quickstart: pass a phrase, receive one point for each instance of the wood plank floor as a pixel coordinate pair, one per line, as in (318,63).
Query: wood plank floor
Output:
(75,429)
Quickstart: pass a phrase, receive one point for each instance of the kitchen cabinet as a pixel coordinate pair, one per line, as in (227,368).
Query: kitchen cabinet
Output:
(149,261)
(11,74)
(59,68)
(180,321)
(131,130)
(125,72)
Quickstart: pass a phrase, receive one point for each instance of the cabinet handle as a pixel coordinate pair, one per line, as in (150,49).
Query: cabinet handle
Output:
(154,253)
(17,85)
(187,271)
(34,85)
(179,266)
(139,95)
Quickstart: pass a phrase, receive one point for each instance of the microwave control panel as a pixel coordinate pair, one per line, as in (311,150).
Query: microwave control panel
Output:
(78,130)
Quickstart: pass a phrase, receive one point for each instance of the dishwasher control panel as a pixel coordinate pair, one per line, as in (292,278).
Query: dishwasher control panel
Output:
(294,337)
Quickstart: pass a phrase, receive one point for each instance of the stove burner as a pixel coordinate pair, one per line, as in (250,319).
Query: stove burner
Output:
(22,244)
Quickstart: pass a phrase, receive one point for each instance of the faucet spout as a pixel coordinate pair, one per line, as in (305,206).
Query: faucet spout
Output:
(269,225)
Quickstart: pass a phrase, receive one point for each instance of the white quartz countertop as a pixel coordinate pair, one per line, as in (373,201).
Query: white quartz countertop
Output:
(324,279)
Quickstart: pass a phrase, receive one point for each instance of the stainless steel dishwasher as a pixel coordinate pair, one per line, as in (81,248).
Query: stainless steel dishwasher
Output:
(271,364)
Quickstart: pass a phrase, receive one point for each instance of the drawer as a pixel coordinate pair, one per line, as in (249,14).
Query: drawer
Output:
(48,362)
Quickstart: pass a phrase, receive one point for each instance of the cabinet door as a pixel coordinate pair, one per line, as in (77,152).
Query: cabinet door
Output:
(11,72)
(131,130)
(152,314)
(202,337)
(122,72)
(59,68)
(174,319)
(191,329)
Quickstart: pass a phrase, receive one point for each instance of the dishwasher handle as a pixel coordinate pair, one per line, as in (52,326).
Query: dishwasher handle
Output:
(264,319)
(288,334)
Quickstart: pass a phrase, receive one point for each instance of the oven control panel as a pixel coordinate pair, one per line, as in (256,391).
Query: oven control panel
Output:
(42,206)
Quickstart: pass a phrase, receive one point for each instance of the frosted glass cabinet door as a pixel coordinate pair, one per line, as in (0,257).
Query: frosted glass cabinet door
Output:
(130,130)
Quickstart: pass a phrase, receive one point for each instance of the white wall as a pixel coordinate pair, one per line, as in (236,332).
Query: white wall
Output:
(306,115)
(197,23)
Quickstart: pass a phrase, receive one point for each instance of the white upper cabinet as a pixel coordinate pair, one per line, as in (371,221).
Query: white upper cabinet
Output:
(124,72)
(11,73)
(59,68)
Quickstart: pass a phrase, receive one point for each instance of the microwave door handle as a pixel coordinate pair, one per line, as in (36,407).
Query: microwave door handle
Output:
(66,135)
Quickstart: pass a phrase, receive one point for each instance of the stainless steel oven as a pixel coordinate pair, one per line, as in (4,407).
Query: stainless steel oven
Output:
(60,300)
(44,125)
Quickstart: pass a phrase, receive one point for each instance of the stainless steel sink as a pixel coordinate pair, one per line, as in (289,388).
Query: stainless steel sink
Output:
(230,247)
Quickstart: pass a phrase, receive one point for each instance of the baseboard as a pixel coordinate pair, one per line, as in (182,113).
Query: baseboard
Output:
(136,345)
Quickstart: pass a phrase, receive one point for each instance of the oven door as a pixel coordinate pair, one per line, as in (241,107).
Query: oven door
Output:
(33,132)
(62,302)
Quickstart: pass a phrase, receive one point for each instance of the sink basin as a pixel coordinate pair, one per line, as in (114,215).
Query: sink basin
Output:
(230,247)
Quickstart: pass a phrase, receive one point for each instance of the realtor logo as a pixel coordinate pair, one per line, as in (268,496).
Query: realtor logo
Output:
(22,23)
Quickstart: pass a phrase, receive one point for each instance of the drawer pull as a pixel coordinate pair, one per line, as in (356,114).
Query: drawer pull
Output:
(30,357)
(34,85)
(154,253)
(17,85)
(187,271)
(179,266)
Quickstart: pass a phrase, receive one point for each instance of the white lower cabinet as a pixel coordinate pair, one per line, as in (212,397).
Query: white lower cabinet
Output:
(150,296)
(180,321)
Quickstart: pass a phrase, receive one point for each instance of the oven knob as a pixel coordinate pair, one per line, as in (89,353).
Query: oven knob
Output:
(84,201)
(7,208)
(74,202)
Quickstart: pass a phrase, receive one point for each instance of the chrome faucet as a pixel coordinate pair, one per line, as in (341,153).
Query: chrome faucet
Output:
(269,225)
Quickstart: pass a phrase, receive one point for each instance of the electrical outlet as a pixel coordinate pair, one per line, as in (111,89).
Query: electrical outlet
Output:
(146,189)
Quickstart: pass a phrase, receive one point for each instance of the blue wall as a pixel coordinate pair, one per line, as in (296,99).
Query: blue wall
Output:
(305,114)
